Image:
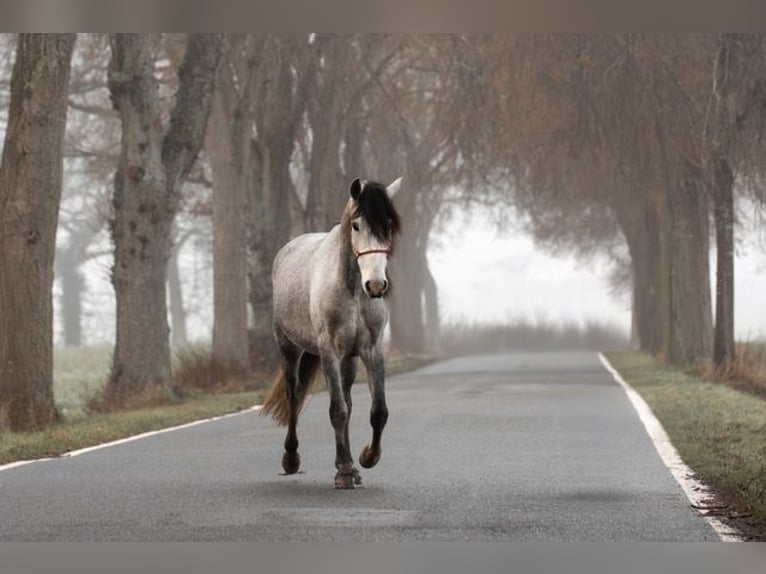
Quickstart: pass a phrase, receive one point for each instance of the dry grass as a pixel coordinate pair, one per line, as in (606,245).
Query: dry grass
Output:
(458,339)
(747,372)
(196,370)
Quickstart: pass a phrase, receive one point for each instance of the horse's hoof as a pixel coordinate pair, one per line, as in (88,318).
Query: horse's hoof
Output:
(369,458)
(344,481)
(347,477)
(291,462)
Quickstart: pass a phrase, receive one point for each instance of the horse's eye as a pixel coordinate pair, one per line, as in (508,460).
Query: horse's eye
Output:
(355,226)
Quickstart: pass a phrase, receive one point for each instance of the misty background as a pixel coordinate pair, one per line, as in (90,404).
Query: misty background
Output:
(488,272)
(559,190)
(487,265)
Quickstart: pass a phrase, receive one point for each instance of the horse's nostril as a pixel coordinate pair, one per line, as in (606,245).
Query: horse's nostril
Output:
(376,288)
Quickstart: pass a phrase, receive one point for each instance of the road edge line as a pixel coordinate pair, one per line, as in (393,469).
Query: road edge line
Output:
(117,442)
(696,491)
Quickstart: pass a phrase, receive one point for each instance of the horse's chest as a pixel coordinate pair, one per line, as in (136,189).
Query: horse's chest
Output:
(359,327)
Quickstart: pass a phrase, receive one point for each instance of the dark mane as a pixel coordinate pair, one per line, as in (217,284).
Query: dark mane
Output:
(377,209)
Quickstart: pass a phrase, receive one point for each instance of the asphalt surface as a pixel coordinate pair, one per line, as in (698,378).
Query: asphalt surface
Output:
(514,447)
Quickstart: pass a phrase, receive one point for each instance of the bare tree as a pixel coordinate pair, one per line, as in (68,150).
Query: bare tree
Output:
(30,191)
(736,106)
(612,122)
(154,162)
(69,260)
(228,149)
(284,75)
(327,110)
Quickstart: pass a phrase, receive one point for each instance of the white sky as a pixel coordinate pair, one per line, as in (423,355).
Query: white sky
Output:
(484,276)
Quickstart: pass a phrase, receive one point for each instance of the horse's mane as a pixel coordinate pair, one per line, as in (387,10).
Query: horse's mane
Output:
(375,206)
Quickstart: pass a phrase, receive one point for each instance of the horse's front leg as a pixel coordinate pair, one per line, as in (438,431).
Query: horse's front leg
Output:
(348,375)
(339,416)
(376,375)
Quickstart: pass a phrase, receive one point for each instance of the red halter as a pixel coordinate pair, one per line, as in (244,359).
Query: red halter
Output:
(358,254)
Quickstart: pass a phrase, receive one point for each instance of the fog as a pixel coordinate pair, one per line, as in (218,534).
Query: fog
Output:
(485,274)
(490,275)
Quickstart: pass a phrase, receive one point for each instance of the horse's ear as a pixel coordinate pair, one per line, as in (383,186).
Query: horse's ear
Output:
(393,187)
(356,189)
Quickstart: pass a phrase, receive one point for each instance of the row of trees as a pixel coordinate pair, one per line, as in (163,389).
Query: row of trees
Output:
(636,140)
(290,121)
(603,141)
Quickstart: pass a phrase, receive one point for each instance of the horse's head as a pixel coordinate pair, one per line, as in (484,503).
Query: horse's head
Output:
(374,224)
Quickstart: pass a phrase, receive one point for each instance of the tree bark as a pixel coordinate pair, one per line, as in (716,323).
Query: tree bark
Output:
(407,318)
(723,204)
(228,145)
(271,230)
(691,307)
(281,90)
(153,165)
(30,191)
(642,236)
(326,192)
(409,265)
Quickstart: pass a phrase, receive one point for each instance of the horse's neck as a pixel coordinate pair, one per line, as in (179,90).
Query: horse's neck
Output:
(340,236)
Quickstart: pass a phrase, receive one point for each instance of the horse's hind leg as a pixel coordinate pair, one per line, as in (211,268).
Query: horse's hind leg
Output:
(379,412)
(291,460)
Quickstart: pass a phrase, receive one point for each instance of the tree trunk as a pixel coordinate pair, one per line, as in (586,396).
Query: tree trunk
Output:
(30,191)
(152,167)
(270,232)
(691,306)
(68,261)
(723,202)
(281,89)
(326,192)
(409,266)
(643,244)
(228,146)
(407,320)
(353,151)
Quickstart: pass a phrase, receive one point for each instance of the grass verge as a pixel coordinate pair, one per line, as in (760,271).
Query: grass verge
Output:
(97,429)
(719,431)
(82,431)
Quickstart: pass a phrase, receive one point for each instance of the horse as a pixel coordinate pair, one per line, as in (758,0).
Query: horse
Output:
(329,309)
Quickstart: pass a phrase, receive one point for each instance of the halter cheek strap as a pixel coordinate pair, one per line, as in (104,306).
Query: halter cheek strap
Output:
(358,254)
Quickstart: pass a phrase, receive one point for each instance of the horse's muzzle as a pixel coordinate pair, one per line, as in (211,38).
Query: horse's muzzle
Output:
(376,289)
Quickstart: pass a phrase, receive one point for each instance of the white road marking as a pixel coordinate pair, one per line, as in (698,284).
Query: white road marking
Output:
(698,493)
(78,452)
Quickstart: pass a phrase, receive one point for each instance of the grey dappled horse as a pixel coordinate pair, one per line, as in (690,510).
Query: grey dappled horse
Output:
(329,310)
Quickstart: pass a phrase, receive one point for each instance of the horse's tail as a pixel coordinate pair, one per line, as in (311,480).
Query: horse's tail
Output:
(277,403)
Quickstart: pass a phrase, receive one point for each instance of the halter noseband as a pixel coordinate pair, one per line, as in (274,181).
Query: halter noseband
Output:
(358,254)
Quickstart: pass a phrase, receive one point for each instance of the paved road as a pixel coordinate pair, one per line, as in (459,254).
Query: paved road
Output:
(513,447)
